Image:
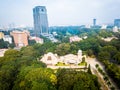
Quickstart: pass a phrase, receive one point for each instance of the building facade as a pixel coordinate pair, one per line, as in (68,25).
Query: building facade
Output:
(94,22)
(117,23)
(20,38)
(53,59)
(7,38)
(1,35)
(75,39)
(115,29)
(40,20)
(37,39)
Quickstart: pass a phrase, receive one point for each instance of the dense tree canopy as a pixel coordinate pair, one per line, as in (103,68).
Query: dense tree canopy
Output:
(73,80)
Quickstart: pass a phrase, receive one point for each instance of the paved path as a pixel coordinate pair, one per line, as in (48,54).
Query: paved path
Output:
(93,62)
(73,67)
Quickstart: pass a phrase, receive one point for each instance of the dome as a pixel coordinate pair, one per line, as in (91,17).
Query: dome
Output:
(79,51)
(50,53)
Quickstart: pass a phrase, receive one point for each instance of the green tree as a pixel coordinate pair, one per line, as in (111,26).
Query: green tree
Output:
(63,49)
(31,42)
(35,78)
(90,52)
(104,56)
(9,69)
(117,57)
(3,44)
(73,80)
(89,69)
(110,49)
(97,65)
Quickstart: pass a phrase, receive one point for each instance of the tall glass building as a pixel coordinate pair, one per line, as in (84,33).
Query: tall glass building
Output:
(40,20)
(117,23)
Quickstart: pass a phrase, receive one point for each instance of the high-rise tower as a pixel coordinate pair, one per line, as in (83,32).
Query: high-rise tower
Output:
(94,22)
(40,20)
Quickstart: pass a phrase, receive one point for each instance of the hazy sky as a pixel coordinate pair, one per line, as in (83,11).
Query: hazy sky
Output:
(60,12)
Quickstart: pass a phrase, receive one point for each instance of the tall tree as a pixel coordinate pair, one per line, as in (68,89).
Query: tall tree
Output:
(89,69)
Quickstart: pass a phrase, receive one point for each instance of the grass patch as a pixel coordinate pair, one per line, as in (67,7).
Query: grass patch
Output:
(82,64)
(61,64)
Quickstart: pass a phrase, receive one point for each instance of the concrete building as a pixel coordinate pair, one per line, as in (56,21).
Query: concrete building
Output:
(104,27)
(2,51)
(7,38)
(53,59)
(115,29)
(117,23)
(20,38)
(27,32)
(1,35)
(40,20)
(50,59)
(75,39)
(37,39)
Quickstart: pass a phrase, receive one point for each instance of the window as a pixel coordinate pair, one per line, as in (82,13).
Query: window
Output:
(42,10)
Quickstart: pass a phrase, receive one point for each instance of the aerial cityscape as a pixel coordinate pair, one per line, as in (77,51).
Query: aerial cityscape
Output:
(60,45)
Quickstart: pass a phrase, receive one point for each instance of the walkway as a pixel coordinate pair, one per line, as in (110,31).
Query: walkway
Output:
(93,62)
(73,67)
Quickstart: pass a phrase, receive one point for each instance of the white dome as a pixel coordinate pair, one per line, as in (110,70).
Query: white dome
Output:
(79,51)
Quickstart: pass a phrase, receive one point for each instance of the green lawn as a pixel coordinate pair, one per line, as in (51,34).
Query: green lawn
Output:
(61,64)
(82,63)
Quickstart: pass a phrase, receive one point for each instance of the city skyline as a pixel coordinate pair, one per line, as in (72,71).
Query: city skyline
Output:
(60,12)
